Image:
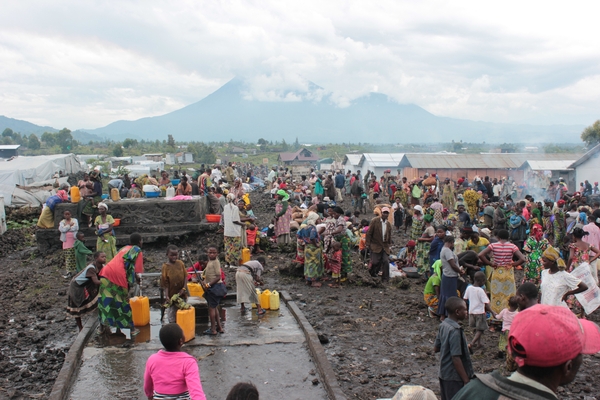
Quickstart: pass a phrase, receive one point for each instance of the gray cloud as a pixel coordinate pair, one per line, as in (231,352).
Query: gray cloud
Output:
(81,64)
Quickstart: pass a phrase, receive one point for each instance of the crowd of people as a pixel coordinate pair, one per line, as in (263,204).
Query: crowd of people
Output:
(465,239)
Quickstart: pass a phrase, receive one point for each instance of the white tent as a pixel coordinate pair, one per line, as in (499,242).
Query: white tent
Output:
(24,171)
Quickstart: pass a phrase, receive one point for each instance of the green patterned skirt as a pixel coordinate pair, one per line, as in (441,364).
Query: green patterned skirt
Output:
(113,305)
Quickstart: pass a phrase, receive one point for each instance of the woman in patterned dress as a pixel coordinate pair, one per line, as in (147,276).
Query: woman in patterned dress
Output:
(534,247)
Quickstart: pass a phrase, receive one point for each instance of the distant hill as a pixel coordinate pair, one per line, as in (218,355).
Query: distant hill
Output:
(23,127)
(226,114)
(85,137)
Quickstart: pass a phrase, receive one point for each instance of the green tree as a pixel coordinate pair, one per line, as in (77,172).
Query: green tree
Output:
(48,138)
(203,153)
(117,151)
(33,142)
(171,141)
(591,134)
(262,141)
(64,140)
(127,143)
(284,145)
(7,133)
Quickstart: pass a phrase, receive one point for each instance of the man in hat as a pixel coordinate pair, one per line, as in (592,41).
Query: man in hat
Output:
(547,344)
(378,241)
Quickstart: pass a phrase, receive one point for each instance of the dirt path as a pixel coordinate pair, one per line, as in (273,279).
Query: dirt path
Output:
(376,337)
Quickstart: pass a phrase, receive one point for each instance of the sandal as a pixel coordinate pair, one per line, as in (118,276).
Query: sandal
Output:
(261,312)
(315,284)
(209,332)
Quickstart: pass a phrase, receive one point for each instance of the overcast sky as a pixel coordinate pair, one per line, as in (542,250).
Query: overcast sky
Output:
(84,64)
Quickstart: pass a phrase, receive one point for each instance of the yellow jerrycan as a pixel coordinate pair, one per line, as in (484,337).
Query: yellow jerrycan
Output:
(265,299)
(140,310)
(75,194)
(186,319)
(274,300)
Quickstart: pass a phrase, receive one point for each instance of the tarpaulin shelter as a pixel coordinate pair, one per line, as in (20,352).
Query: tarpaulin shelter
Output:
(27,171)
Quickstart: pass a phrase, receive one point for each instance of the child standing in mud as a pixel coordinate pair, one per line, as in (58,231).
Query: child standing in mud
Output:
(173,280)
(334,264)
(456,369)
(478,305)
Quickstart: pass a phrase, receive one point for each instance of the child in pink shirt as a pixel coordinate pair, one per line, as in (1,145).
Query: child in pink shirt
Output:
(171,372)
(507,315)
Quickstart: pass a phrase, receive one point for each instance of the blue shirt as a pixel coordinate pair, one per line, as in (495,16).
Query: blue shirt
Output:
(434,250)
(339,181)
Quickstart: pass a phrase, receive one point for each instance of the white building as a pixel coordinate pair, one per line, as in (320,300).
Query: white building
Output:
(587,167)
(380,162)
(350,162)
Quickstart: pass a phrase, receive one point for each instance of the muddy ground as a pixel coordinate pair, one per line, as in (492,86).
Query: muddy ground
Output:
(377,337)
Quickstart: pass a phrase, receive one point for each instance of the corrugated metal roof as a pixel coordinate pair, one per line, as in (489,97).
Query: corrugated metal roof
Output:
(586,156)
(9,146)
(354,159)
(549,165)
(382,159)
(475,161)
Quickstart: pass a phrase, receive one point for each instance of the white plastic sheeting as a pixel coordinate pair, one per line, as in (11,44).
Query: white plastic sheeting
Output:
(24,171)
(2,216)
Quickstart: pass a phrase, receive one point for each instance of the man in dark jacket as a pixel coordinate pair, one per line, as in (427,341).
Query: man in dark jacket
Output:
(378,241)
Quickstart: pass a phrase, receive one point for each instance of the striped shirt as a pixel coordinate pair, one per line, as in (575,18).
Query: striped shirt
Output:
(502,253)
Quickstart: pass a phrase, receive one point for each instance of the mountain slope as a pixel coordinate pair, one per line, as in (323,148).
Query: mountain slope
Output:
(23,127)
(226,114)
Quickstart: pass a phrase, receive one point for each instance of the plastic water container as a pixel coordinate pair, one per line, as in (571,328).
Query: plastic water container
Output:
(245,255)
(257,294)
(170,192)
(274,300)
(150,188)
(140,310)
(75,194)
(114,194)
(186,319)
(265,299)
(195,289)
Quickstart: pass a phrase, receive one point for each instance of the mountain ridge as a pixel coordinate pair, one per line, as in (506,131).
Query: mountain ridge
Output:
(231,113)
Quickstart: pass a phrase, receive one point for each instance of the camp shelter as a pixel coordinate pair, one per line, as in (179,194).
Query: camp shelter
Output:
(587,167)
(26,171)
(454,166)
(378,163)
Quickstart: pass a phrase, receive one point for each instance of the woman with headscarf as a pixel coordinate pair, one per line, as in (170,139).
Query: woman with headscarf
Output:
(416,229)
(560,224)
(283,217)
(232,232)
(46,219)
(449,195)
(557,285)
(238,189)
(318,190)
(116,278)
(313,253)
(438,208)
(533,248)
(335,230)
(423,245)
(431,293)
(106,242)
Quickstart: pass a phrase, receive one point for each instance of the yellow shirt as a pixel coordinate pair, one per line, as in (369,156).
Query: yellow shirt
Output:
(479,246)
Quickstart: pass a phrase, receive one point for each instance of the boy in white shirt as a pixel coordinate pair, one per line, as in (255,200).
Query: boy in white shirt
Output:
(479,303)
